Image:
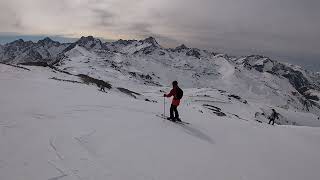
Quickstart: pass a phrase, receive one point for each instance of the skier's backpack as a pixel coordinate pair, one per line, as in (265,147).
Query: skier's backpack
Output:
(179,93)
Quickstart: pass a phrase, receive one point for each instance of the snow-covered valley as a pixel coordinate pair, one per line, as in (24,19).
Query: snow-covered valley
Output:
(56,125)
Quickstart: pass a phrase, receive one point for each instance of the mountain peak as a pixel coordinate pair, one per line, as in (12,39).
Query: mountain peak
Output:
(84,40)
(18,41)
(151,40)
(124,42)
(194,52)
(89,42)
(46,41)
(257,57)
(181,47)
(88,38)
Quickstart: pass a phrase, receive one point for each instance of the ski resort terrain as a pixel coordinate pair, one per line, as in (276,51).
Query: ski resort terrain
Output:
(56,124)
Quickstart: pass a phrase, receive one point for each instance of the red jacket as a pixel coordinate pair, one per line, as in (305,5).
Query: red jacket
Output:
(175,100)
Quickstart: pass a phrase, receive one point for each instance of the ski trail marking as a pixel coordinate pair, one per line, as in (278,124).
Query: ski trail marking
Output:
(63,174)
(98,108)
(58,177)
(52,145)
(82,140)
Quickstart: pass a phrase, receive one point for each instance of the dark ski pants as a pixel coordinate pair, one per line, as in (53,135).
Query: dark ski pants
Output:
(102,89)
(174,114)
(271,120)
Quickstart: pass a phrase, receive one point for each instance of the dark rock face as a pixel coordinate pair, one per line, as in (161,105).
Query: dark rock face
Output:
(129,92)
(33,55)
(88,42)
(181,48)
(151,40)
(214,109)
(48,42)
(238,98)
(161,53)
(250,62)
(42,64)
(311,97)
(90,80)
(194,53)
(85,42)
(86,39)
(11,50)
(298,81)
(124,42)
(296,78)
(20,51)
(17,43)
(148,50)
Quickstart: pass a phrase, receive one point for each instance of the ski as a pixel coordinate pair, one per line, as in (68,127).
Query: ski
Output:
(177,122)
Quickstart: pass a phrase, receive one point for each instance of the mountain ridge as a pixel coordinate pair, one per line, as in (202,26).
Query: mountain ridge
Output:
(150,40)
(147,62)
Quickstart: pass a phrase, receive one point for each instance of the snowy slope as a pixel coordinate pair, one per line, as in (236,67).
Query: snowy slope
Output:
(133,63)
(61,130)
(160,66)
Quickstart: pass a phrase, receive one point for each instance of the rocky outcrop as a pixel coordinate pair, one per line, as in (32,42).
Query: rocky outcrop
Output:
(194,52)
(300,79)
(152,41)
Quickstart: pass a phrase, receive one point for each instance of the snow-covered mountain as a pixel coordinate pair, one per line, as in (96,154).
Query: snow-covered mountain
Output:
(1,49)
(21,51)
(56,125)
(145,62)
(53,126)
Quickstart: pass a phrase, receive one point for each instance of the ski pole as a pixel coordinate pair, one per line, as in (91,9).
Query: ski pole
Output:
(164,106)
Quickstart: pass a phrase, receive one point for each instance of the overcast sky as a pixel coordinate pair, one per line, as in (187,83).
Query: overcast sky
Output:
(287,30)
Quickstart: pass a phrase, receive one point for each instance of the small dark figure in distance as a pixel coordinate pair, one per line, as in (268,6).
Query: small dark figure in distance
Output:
(177,94)
(273,116)
(101,85)
(102,88)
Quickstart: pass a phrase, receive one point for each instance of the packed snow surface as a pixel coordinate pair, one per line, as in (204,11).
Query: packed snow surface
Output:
(57,130)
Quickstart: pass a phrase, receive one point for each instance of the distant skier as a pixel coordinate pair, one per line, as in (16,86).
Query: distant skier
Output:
(101,85)
(273,116)
(177,94)
(102,89)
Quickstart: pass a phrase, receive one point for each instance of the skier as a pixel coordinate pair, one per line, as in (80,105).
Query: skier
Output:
(101,85)
(102,88)
(273,116)
(177,94)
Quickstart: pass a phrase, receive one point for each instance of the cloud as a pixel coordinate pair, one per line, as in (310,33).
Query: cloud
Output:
(269,27)
(104,17)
